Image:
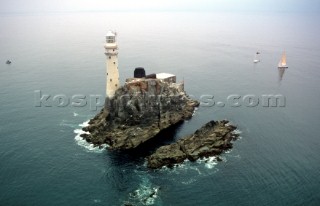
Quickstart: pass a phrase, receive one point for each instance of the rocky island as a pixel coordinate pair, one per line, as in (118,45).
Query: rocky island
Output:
(147,105)
(210,140)
(138,111)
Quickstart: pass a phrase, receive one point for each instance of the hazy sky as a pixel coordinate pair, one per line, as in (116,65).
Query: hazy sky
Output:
(157,5)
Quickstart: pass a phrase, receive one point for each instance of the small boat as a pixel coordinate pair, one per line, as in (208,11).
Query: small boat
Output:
(283,61)
(256,58)
(8,62)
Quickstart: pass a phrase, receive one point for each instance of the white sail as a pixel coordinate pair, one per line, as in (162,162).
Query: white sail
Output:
(256,58)
(283,61)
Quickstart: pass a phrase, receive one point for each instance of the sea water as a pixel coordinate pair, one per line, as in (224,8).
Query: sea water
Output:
(43,160)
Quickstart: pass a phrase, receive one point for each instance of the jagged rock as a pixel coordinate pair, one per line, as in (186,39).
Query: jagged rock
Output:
(211,139)
(139,111)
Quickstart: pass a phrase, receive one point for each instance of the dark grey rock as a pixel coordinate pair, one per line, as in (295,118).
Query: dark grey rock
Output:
(210,140)
(139,111)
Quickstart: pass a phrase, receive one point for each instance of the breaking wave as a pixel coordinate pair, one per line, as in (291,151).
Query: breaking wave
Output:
(145,194)
(209,162)
(83,143)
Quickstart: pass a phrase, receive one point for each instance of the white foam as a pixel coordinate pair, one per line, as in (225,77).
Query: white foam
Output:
(210,162)
(188,182)
(80,131)
(145,163)
(176,168)
(196,169)
(194,111)
(84,124)
(145,194)
(75,114)
(83,143)
(237,131)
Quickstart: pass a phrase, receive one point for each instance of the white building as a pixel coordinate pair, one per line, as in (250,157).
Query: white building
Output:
(111,51)
(170,78)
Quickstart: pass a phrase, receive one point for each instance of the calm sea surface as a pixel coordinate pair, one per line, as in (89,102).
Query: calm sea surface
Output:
(276,161)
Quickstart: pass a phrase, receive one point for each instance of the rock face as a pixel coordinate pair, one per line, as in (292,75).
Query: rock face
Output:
(211,139)
(139,110)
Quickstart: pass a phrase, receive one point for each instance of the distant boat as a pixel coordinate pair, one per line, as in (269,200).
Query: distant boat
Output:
(283,61)
(256,58)
(8,62)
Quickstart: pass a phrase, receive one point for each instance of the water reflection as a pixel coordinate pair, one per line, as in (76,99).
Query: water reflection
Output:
(281,73)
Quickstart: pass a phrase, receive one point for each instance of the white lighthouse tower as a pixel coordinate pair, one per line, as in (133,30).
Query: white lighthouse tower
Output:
(111,51)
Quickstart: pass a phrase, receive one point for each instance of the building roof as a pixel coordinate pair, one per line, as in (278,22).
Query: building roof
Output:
(111,33)
(164,75)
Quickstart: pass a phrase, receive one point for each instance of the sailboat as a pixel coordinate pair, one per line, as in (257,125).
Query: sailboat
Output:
(283,61)
(256,58)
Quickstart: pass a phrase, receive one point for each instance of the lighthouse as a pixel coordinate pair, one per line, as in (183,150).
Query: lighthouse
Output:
(111,52)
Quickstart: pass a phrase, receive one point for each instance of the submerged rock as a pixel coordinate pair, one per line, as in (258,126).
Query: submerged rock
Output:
(210,140)
(139,111)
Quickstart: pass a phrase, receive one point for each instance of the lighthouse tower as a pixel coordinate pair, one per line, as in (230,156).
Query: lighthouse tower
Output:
(111,51)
